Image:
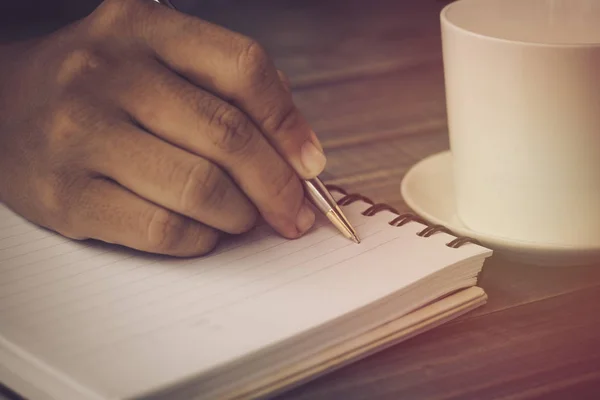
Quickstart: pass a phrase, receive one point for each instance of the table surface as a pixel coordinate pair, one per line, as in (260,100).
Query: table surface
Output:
(369,78)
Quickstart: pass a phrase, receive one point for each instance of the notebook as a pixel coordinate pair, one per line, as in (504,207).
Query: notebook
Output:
(254,318)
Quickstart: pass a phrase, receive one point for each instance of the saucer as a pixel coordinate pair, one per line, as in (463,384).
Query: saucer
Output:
(428,189)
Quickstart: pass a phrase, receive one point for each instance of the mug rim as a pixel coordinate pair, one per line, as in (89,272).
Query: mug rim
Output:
(447,22)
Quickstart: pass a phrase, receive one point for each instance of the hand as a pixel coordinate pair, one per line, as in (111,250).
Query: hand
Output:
(142,126)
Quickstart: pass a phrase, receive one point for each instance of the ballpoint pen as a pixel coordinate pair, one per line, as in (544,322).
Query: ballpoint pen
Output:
(316,191)
(322,199)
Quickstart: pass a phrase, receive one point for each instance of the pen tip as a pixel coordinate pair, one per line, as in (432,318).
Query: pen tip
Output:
(356,239)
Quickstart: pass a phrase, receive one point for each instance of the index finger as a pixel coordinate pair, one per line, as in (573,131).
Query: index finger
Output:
(238,70)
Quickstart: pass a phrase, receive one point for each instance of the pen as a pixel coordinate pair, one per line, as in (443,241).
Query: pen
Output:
(322,199)
(317,192)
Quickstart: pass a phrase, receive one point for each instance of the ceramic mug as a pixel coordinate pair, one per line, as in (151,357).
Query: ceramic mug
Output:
(522,81)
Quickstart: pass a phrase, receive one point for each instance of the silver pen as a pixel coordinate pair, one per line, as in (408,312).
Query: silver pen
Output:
(317,192)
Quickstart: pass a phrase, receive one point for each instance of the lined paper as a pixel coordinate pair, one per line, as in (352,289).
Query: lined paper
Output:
(98,312)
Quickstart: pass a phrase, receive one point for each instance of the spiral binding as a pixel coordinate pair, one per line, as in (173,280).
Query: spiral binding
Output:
(401,219)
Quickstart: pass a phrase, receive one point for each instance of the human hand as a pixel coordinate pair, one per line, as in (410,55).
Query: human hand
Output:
(145,127)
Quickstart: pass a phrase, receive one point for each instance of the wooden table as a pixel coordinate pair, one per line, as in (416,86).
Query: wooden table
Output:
(369,77)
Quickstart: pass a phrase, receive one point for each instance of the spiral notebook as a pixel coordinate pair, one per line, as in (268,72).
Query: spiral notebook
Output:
(257,316)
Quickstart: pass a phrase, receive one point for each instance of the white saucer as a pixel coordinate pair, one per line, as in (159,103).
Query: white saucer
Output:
(428,190)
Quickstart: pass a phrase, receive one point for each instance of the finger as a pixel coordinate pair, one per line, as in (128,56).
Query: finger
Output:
(182,114)
(287,85)
(238,70)
(285,81)
(172,178)
(110,213)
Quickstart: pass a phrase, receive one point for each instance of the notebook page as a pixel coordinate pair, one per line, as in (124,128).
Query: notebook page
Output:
(97,313)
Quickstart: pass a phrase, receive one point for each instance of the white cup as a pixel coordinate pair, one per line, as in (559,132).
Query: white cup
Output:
(523,99)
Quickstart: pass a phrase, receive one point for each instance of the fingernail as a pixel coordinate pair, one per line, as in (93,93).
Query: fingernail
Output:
(313,159)
(315,140)
(305,218)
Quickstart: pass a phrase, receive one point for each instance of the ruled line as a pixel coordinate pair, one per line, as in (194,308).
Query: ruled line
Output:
(189,312)
(127,307)
(163,271)
(124,256)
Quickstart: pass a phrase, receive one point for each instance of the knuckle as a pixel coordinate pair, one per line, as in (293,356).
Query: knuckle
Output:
(67,124)
(165,230)
(204,186)
(279,120)
(230,130)
(166,234)
(58,125)
(78,64)
(254,63)
(114,6)
(114,13)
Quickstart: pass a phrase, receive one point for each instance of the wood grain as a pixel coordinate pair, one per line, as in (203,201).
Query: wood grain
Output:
(369,78)
(546,350)
(320,42)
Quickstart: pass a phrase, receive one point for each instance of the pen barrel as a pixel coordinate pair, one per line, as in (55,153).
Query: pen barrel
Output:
(166,3)
(322,199)
(319,195)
